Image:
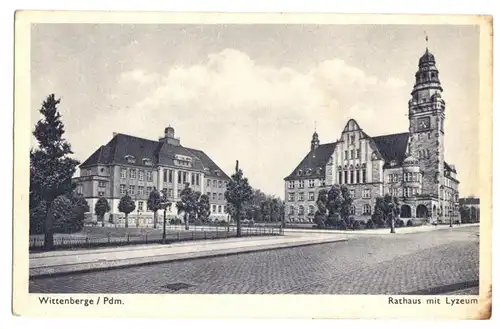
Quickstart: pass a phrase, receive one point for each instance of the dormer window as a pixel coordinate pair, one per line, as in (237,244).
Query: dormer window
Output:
(147,162)
(393,163)
(217,172)
(130,158)
(299,173)
(309,171)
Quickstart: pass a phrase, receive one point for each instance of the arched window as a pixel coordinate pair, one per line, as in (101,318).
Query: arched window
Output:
(301,210)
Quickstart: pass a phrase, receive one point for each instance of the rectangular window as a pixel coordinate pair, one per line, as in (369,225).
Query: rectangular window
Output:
(208,182)
(352,154)
(102,184)
(131,189)
(170,176)
(214,183)
(291,196)
(140,205)
(219,209)
(214,208)
(197,179)
(149,189)
(346,155)
(141,190)
(100,193)
(311,196)
(358,178)
(184,177)
(149,177)
(358,153)
(133,174)
(353,194)
(123,173)
(364,175)
(220,196)
(301,184)
(123,188)
(345,176)
(301,196)
(352,176)
(141,175)
(220,184)
(179,177)
(339,179)
(311,183)
(323,182)
(367,193)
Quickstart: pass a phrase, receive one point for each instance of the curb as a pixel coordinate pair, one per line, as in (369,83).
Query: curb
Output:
(160,261)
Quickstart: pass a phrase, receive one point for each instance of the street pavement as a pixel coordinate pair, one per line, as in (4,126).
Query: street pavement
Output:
(435,262)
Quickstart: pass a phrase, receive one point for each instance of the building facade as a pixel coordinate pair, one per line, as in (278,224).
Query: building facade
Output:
(409,165)
(133,165)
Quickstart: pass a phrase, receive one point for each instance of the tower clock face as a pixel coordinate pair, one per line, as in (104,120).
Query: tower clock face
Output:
(424,123)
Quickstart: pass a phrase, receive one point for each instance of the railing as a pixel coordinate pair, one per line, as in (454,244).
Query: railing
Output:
(95,240)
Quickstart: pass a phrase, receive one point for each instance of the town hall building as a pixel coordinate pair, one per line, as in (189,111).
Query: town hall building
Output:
(409,165)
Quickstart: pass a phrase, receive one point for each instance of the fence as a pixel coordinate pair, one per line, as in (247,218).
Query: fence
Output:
(194,233)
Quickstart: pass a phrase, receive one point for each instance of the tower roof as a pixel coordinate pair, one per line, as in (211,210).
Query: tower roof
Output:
(427,58)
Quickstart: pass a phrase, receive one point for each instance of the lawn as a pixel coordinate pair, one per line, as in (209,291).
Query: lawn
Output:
(91,237)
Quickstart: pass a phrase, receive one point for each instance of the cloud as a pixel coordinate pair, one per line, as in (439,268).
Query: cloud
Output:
(235,108)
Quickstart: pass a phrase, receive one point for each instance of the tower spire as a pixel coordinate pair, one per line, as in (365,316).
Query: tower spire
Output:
(426,41)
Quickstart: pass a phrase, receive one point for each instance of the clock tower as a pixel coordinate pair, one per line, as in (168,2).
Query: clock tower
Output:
(426,119)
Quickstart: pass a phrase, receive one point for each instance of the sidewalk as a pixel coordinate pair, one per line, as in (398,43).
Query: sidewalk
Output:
(73,261)
(383,231)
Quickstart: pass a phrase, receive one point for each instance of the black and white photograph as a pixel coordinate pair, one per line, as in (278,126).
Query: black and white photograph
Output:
(171,158)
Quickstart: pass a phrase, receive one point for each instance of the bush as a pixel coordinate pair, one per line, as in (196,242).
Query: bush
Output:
(342,225)
(409,223)
(356,225)
(175,221)
(197,222)
(399,223)
(370,224)
(222,222)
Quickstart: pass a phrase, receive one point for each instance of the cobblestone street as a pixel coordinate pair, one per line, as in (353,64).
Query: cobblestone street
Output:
(438,262)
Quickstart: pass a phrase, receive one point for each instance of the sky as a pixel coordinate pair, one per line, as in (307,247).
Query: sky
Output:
(253,93)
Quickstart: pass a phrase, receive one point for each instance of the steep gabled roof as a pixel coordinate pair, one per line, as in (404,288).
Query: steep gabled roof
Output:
(392,147)
(207,163)
(121,146)
(314,160)
(450,168)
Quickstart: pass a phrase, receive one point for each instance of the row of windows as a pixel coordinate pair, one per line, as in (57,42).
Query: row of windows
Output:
(214,183)
(352,154)
(310,183)
(423,154)
(132,189)
(291,196)
(407,177)
(366,210)
(366,194)
(132,174)
(309,171)
(217,209)
(405,192)
(422,136)
(145,161)
(351,176)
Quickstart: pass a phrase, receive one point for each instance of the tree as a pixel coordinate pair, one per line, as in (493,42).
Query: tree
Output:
(101,208)
(204,207)
(126,206)
(51,168)
(164,204)
(188,204)
(320,215)
(238,193)
(265,210)
(388,208)
(154,204)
